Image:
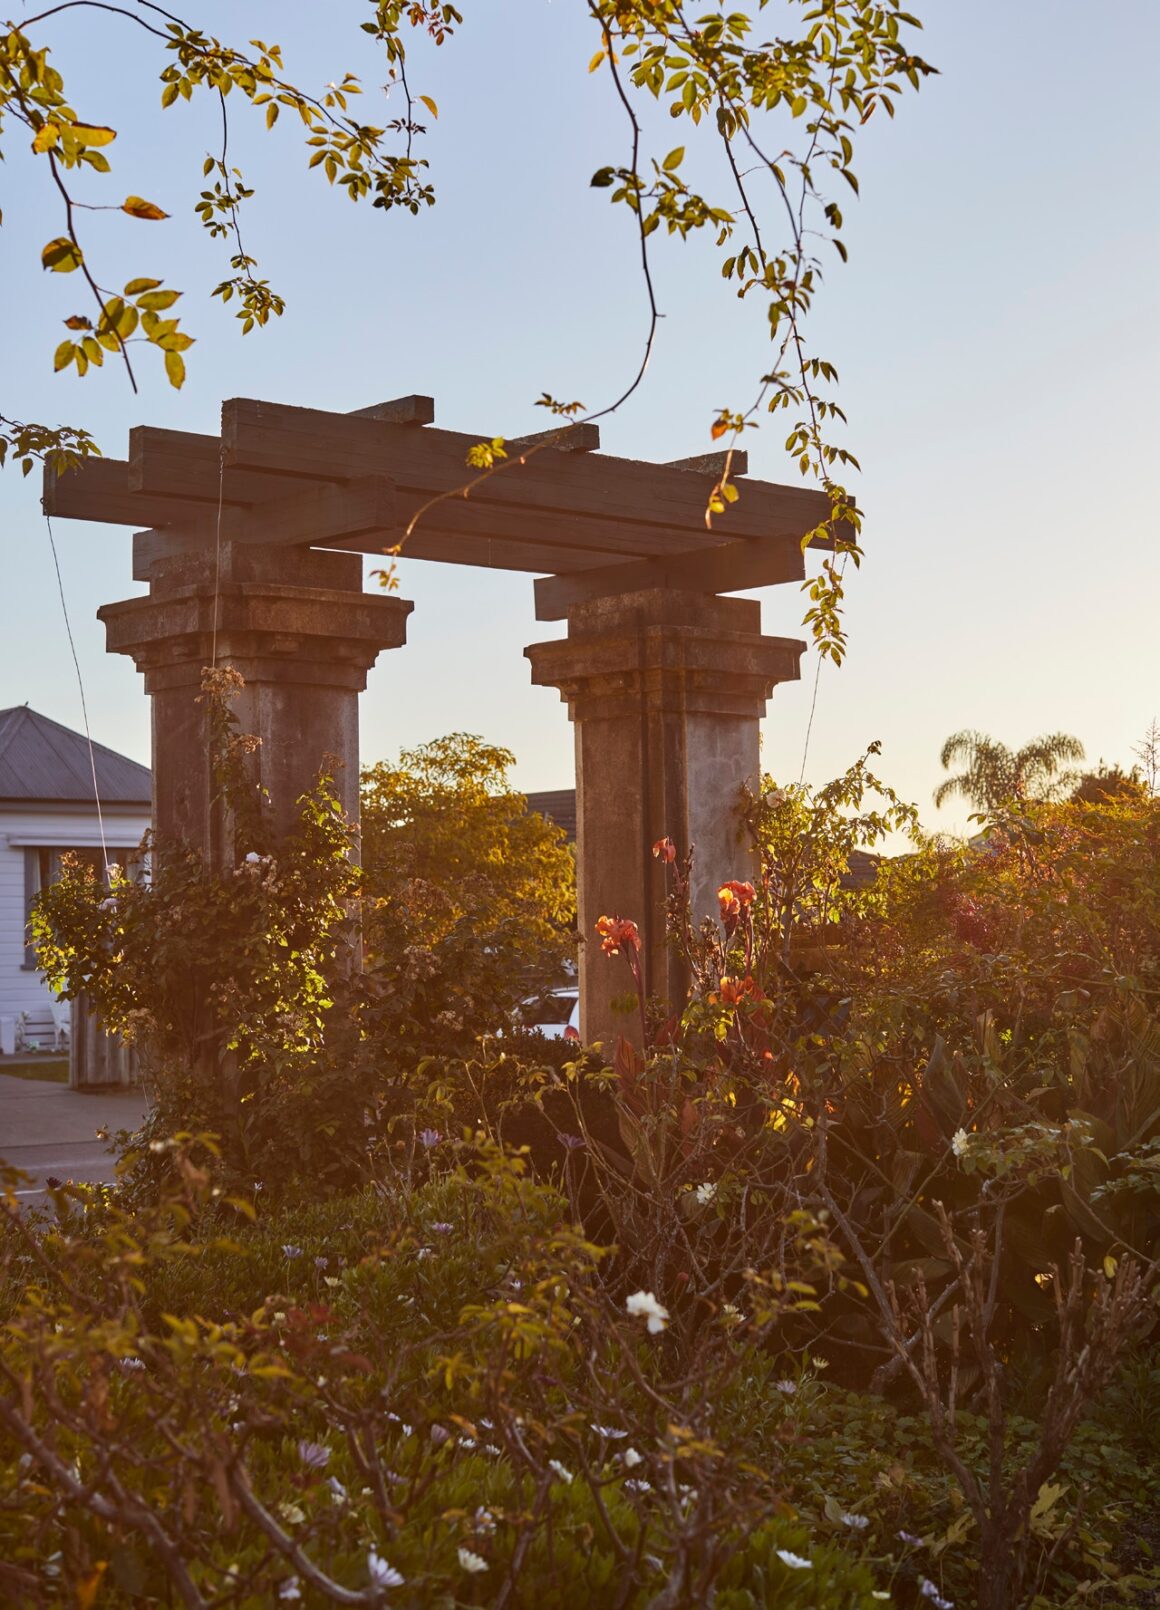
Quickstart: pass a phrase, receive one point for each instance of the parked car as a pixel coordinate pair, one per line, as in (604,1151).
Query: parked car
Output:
(556,1015)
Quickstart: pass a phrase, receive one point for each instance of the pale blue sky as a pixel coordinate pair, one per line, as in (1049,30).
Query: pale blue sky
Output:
(996,330)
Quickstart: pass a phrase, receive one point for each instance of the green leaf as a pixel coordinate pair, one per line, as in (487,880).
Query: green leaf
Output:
(155,301)
(135,287)
(674,158)
(62,255)
(64,355)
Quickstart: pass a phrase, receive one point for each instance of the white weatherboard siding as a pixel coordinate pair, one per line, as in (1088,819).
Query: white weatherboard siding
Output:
(24,826)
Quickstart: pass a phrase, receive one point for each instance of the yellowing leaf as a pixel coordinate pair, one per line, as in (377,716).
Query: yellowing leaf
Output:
(46,136)
(62,255)
(64,355)
(175,369)
(430,105)
(89,1585)
(674,159)
(138,207)
(92,133)
(596,60)
(718,430)
(135,287)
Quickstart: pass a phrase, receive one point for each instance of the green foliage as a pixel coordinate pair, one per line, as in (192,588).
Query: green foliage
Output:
(430,1375)
(225,977)
(471,898)
(844,1254)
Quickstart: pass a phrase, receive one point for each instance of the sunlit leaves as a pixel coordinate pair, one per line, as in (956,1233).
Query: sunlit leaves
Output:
(138,207)
(62,255)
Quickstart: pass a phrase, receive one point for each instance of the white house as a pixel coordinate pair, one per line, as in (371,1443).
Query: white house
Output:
(47,806)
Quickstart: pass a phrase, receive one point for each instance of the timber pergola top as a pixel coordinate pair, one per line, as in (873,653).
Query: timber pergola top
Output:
(588,524)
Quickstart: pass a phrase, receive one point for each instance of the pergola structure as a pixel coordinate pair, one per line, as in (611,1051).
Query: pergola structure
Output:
(250,543)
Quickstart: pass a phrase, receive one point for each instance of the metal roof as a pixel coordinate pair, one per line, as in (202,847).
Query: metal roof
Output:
(558,805)
(41,760)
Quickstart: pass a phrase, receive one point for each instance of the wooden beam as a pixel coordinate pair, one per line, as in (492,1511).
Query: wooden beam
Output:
(565,438)
(726,569)
(441,545)
(274,439)
(713,463)
(98,489)
(190,464)
(400,411)
(183,464)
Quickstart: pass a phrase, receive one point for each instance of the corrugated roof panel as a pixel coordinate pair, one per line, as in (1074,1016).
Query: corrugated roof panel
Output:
(41,760)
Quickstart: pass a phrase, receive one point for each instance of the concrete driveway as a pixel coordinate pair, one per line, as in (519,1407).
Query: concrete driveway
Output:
(49,1130)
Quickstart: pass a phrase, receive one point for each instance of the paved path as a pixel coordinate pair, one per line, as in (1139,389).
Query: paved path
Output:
(47,1129)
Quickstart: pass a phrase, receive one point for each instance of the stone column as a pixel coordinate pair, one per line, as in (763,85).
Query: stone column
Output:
(666,690)
(298,627)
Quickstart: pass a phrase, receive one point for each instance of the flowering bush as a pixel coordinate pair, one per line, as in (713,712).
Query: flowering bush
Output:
(801,1299)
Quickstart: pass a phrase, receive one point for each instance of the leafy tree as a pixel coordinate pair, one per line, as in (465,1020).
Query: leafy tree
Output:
(471,898)
(786,108)
(994,775)
(1108,783)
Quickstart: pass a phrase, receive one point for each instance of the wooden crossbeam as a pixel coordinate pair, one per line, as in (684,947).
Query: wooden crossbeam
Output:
(182,464)
(275,439)
(749,562)
(401,411)
(582,437)
(713,463)
(98,489)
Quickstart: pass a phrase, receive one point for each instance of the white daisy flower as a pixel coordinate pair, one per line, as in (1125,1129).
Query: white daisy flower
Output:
(471,1562)
(381,1574)
(794,1561)
(643,1305)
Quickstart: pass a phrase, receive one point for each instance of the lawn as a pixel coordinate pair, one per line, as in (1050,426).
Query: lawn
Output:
(51,1070)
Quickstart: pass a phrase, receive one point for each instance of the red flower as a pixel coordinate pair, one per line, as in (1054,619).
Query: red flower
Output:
(735,990)
(665,850)
(616,932)
(734,897)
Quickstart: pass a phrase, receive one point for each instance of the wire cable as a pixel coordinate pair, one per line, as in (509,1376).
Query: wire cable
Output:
(81,686)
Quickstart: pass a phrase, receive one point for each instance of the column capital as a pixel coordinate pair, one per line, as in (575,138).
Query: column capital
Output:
(661,652)
(288,618)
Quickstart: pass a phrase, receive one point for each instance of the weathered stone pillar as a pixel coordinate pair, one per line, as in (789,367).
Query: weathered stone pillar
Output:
(666,690)
(298,627)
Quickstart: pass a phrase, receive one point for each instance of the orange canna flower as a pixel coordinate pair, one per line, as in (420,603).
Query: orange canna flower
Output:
(617,932)
(734,897)
(735,990)
(665,850)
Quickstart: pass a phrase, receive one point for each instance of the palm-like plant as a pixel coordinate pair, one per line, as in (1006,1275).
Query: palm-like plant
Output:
(994,775)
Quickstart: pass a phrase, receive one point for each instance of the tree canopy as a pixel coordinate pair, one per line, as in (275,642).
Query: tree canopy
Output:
(994,775)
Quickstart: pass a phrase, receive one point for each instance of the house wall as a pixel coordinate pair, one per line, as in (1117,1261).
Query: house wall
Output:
(73,827)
